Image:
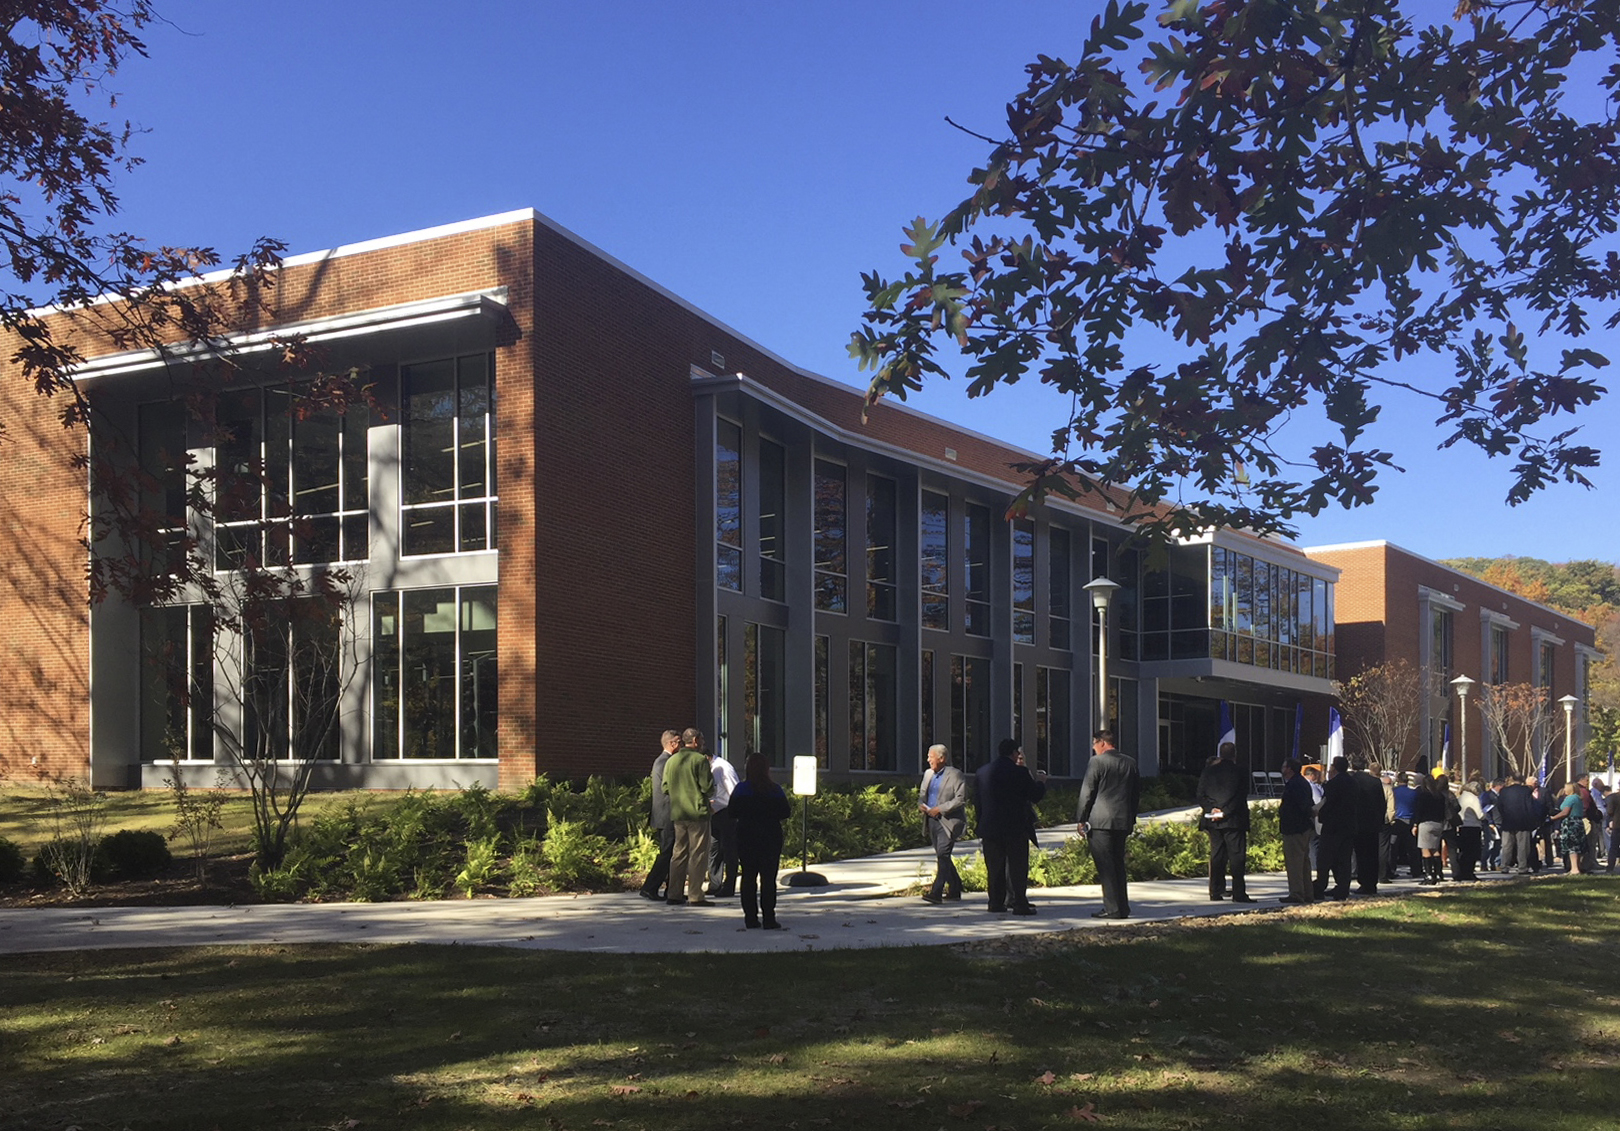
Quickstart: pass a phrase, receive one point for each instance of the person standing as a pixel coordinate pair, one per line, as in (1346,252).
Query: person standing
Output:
(1223,793)
(663,825)
(1109,797)
(758,807)
(1375,809)
(1406,825)
(1296,820)
(689,782)
(1518,813)
(942,797)
(1470,834)
(722,830)
(1006,792)
(1431,826)
(1337,818)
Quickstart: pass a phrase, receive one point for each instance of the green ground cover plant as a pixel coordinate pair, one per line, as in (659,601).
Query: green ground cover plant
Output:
(554,835)
(1495,1008)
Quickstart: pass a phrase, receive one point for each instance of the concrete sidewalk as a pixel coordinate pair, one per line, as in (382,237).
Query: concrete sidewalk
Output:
(861,906)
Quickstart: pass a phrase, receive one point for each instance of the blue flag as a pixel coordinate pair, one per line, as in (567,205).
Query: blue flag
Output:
(1228,731)
(1335,735)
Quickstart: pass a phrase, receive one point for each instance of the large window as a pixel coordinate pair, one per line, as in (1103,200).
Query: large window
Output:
(1051,752)
(976,554)
(831,514)
(1498,670)
(1058,582)
(1260,613)
(292,483)
(765,691)
(934,561)
(881,528)
(448,480)
(1023,581)
(290,688)
(970,710)
(177,683)
(872,706)
(728,506)
(434,690)
(161,441)
(772,522)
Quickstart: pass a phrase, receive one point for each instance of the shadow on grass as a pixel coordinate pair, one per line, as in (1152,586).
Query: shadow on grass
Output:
(1476,1009)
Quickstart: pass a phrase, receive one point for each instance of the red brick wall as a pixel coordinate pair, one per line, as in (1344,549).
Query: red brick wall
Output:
(44,615)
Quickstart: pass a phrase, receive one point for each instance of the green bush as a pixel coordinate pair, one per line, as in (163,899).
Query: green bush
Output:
(483,865)
(132,854)
(13,864)
(573,858)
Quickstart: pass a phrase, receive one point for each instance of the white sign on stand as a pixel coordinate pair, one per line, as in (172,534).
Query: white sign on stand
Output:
(804,775)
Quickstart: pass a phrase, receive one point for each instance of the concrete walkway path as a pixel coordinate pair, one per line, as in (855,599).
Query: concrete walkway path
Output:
(860,906)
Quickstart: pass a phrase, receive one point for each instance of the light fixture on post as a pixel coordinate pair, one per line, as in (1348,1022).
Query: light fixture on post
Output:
(1463,685)
(1102,595)
(1568,703)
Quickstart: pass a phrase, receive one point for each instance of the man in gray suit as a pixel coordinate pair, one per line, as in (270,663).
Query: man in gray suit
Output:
(943,801)
(1109,797)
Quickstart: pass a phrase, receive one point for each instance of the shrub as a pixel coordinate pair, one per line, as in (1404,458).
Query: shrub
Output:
(13,865)
(77,814)
(574,858)
(132,854)
(524,870)
(483,865)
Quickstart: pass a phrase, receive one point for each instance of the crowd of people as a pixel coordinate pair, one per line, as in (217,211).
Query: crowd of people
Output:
(1355,823)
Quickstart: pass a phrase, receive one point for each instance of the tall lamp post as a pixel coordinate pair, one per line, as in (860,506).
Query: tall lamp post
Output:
(1463,686)
(1568,703)
(1102,594)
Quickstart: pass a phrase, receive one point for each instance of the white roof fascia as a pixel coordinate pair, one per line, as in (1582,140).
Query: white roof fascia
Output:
(406,315)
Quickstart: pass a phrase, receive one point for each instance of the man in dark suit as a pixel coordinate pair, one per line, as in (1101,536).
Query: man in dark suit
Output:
(1223,792)
(1007,791)
(1519,814)
(942,797)
(1296,821)
(1375,810)
(1109,797)
(663,825)
(1337,814)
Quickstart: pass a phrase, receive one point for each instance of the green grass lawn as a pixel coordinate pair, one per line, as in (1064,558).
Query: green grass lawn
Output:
(1474,1009)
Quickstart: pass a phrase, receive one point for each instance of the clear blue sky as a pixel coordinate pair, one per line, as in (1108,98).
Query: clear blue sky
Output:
(753,158)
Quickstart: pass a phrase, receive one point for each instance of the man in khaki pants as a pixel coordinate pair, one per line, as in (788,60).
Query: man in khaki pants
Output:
(689,782)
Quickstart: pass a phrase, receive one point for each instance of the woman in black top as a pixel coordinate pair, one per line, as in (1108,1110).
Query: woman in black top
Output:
(1429,817)
(759,807)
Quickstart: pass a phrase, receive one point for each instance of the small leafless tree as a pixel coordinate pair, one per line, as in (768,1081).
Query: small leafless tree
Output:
(283,641)
(1519,717)
(1382,707)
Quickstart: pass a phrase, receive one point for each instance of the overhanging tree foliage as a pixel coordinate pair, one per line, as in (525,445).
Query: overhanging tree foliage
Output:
(1228,259)
(1382,707)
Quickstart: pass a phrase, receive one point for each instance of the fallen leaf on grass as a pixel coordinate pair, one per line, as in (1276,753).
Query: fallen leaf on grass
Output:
(904,1104)
(965,1110)
(625,1089)
(1045,1078)
(1081,1076)
(777,1058)
(1087,1114)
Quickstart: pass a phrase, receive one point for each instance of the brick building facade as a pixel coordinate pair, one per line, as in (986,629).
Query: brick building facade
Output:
(583,511)
(1396,605)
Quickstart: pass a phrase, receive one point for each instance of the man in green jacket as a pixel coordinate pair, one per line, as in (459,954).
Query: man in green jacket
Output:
(689,782)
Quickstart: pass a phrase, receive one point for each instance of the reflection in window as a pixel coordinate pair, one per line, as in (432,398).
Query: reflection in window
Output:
(1058,583)
(1051,748)
(823,702)
(448,437)
(832,570)
(934,557)
(772,522)
(926,697)
(764,691)
(177,683)
(970,710)
(728,505)
(291,683)
(881,529)
(162,454)
(872,722)
(434,673)
(722,691)
(976,552)
(292,480)
(1023,581)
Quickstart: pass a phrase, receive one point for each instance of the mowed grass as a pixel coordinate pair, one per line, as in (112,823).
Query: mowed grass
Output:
(1472,1009)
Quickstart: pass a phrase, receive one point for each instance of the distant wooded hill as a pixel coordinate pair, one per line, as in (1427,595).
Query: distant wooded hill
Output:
(1586,590)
